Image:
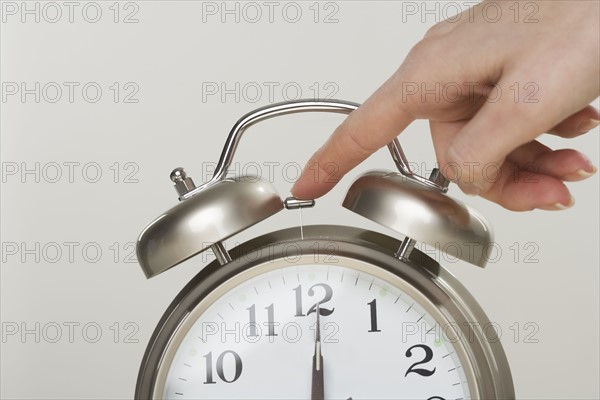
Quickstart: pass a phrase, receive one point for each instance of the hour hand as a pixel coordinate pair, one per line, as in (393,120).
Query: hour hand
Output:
(318,387)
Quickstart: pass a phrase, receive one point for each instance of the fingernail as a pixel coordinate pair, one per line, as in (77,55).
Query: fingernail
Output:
(472,191)
(559,206)
(580,174)
(469,189)
(583,174)
(589,125)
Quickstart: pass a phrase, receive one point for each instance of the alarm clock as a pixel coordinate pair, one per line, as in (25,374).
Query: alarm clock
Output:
(321,312)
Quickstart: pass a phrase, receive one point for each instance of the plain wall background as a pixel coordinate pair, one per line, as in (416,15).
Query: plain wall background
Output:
(167,57)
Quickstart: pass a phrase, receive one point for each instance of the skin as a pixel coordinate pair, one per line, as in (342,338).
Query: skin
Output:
(554,63)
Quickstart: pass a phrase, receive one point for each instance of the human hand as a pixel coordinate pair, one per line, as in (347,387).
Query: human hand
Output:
(497,87)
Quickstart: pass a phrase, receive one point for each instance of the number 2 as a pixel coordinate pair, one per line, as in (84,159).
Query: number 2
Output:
(428,357)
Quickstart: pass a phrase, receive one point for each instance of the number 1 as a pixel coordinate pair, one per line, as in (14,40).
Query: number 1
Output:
(373,309)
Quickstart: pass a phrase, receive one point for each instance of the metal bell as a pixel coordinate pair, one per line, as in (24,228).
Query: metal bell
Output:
(422,213)
(215,213)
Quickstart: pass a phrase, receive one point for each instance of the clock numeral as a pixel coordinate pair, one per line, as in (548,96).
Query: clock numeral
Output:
(311,292)
(436,398)
(270,320)
(373,309)
(428,357)
(220,368)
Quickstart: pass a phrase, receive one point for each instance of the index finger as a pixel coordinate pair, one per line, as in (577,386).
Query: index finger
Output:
(371,126)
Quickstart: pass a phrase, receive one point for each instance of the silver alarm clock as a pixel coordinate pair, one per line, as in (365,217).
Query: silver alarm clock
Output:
(329,312)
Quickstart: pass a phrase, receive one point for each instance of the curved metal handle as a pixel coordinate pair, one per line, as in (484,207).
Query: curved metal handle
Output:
(271,111)
(293,107)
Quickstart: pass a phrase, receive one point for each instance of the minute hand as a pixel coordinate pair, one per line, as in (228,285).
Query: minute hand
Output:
(318,387)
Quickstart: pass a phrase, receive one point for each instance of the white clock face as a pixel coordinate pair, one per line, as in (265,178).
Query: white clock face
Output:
(255,338)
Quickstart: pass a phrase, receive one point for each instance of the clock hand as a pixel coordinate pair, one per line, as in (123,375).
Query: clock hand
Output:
(318,387)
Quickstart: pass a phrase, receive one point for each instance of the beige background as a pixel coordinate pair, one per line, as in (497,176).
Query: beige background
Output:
(169,56)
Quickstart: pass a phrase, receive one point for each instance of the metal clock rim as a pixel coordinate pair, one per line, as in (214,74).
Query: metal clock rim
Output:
(492,377)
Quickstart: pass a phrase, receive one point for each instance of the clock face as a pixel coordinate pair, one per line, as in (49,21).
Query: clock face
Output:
(255,336)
